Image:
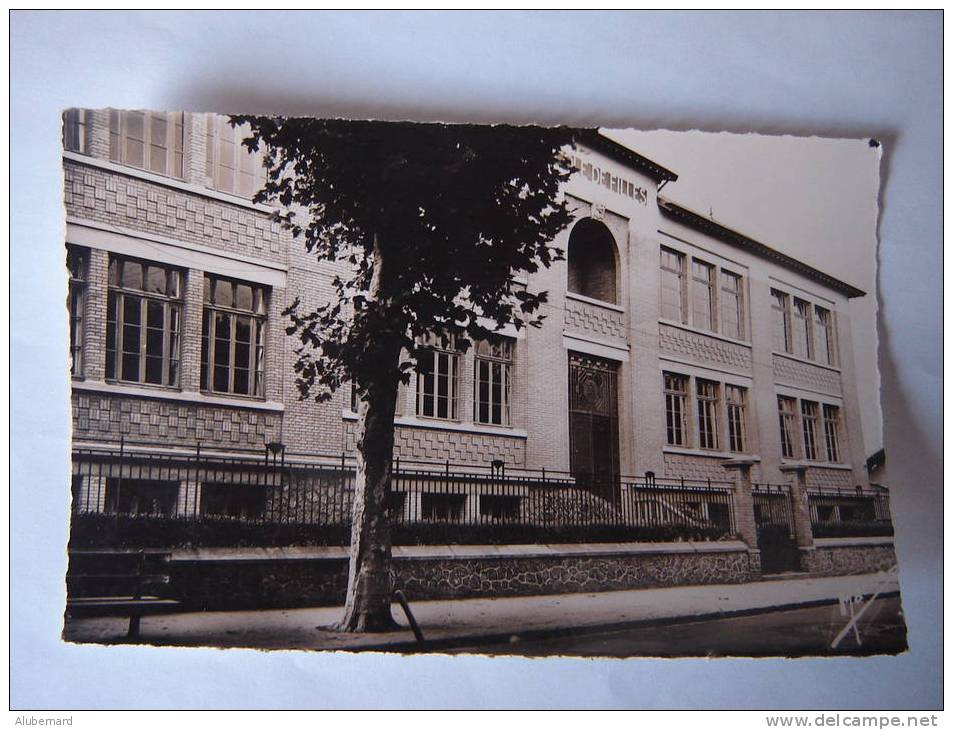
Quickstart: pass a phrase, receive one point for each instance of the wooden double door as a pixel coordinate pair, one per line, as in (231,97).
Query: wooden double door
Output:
(594,422)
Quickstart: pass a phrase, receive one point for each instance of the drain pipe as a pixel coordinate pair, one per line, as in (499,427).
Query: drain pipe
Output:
(402,600)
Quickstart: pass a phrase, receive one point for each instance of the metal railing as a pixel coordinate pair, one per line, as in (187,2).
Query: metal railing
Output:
(206,498)
(773,506)
(849,512)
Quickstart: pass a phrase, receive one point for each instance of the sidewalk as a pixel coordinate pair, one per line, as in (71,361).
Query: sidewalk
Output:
(484,620)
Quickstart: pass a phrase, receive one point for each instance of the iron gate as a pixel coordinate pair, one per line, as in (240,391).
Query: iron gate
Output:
(774,517)
(594,423)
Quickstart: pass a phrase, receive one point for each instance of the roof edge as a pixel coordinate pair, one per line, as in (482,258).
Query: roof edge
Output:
(706,225)
(599,142)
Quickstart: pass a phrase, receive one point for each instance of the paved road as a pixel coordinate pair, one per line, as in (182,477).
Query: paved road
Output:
(798,632)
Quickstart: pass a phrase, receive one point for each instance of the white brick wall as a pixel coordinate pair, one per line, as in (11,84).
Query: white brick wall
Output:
(540,395)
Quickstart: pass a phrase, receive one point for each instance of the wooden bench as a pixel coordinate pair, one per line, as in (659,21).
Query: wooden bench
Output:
(118,583)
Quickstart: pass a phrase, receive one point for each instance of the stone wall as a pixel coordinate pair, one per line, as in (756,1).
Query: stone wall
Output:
(849,556)
(287,578)
(440,578)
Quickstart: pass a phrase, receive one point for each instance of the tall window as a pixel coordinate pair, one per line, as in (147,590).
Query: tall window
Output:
(731,306)
(233,337)
(152,141)
(782,321)
(809,428)
(76,262)
(831,428)
(735,404)
(229,166)
(143,321)
(491,398)
(437,379)
(74,130)
(672,267)
(707,393)
(703,295)
(676,409)
(801,329)
(787,414)
(824,336)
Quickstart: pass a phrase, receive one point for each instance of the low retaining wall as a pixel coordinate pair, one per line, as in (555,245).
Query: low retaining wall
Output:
(217,579)
(849,556)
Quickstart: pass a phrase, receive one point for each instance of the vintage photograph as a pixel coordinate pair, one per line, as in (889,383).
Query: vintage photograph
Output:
(466,389)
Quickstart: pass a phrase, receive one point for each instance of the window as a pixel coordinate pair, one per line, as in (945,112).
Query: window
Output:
(804,416)
(229,166)
(499,507)
(735,405)
(782,321)
(443,507)
(141,496)
(787,413)
(676,412)
(236,501)
(672,267)
(809,429)
(824,336)
(149,140)
(591,261)
(732,306)
(397,505)
(831,427)
(707,393)
(437,379)
(233,337)
(714,296)
(801,329)
(74,130)
(806,330)
(703,295)
(143,321)
(76,262)
(491,398)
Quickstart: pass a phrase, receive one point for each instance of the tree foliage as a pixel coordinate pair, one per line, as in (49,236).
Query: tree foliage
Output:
(455,211)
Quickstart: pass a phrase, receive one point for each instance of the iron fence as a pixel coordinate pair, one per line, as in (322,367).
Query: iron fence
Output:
(135,495)
(773,507)
(850,512)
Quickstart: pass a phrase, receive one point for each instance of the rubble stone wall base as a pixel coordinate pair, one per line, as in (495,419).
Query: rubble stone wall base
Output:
(228,583)
(848,558)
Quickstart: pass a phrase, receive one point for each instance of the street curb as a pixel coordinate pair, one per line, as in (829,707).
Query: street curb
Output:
(452,642)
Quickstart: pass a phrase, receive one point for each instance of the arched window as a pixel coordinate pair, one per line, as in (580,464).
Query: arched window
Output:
(592,264)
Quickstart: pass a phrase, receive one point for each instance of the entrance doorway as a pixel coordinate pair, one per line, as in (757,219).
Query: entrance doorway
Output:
(594,423)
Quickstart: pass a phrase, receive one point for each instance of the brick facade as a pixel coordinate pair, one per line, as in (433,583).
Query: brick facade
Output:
(186,224)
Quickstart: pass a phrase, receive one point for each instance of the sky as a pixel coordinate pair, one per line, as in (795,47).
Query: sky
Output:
(812,198)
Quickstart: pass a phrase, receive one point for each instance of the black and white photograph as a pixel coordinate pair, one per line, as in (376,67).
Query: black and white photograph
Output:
(429,387)
(475,359)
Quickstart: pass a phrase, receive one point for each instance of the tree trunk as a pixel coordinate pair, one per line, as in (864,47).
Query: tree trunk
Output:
(369,582)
